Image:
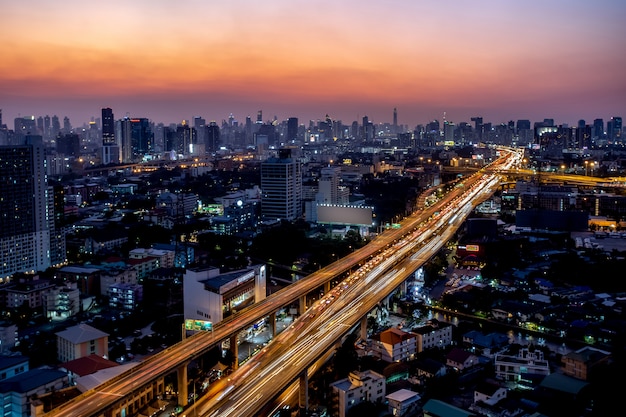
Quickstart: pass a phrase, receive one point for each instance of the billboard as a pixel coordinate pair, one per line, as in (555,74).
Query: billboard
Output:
(197,325)
(344,215)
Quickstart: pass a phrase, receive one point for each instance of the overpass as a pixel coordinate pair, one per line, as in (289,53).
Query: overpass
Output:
(420,236)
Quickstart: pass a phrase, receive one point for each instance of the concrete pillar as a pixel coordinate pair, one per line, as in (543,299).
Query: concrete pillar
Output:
(364,328)
(183,394)
(234,349)
(272,323)
(304,391)
(302,305)
(326,287)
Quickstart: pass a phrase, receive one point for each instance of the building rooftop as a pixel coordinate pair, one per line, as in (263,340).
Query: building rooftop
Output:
(81,333)
(28,381)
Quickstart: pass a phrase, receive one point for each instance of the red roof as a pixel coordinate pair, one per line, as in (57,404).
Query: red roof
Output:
(88,365)
(393,336)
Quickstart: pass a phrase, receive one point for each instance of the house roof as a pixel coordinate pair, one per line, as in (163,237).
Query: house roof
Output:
(88,365)
(458,355)
(81,333)
(402,395)
(430,365)
(563,383)
(393,336)
(442,409)
(10,361)
(28,381)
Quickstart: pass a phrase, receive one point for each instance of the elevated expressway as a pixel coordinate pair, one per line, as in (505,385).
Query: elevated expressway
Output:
(373,272)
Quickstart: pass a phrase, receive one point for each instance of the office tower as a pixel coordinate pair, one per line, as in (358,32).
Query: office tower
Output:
(598,128)
(56,127)
(40,125)
(614,129)
(25,125)
(46,128)
(68,144)
(259,117)
(248,131)
(448,133)
(1,119)
(395,120)
(292,130)
(110,147)
(24,228)
(212,137)
(183,139)
(67,126)
(200,129)
(281,187)
(136,138)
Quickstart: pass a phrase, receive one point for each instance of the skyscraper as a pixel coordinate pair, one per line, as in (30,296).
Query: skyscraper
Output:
(24,227)
(281,187)
(292,130)
(108,127)
(395,120)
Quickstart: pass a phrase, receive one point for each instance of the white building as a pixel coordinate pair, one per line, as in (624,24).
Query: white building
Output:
(434,335)
(210,296)
(403,402)
(281,187)
(357,388)
(526,362)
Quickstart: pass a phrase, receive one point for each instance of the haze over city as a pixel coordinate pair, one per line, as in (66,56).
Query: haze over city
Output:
(169,61)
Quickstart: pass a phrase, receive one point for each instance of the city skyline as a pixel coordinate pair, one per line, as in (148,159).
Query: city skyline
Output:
(169,62)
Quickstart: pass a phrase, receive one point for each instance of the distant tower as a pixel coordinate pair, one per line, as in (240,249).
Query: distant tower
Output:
(110,149)
(259,117)
(395,119)
(292,129)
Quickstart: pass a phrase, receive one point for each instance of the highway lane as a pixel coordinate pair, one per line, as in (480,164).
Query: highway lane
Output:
(425,222)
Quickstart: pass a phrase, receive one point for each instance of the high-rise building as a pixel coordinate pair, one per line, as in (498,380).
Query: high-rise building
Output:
(24,219)
(281,187)
(598,129)
(110,147)
(292,130)
(25,125)
(212,137)
(395,120)
(614,129)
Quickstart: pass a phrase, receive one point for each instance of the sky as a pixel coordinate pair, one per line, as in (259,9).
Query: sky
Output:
(173,60)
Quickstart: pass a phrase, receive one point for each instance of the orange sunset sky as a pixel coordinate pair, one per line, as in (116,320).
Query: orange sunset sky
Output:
(172,60)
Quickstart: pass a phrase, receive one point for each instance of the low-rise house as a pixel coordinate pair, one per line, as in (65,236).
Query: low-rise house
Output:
(357,388)
(580,363)
(403,402)
(461,359)
(429,368)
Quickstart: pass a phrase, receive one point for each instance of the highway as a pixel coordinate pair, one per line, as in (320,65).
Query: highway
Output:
(262,378)
(374,272)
